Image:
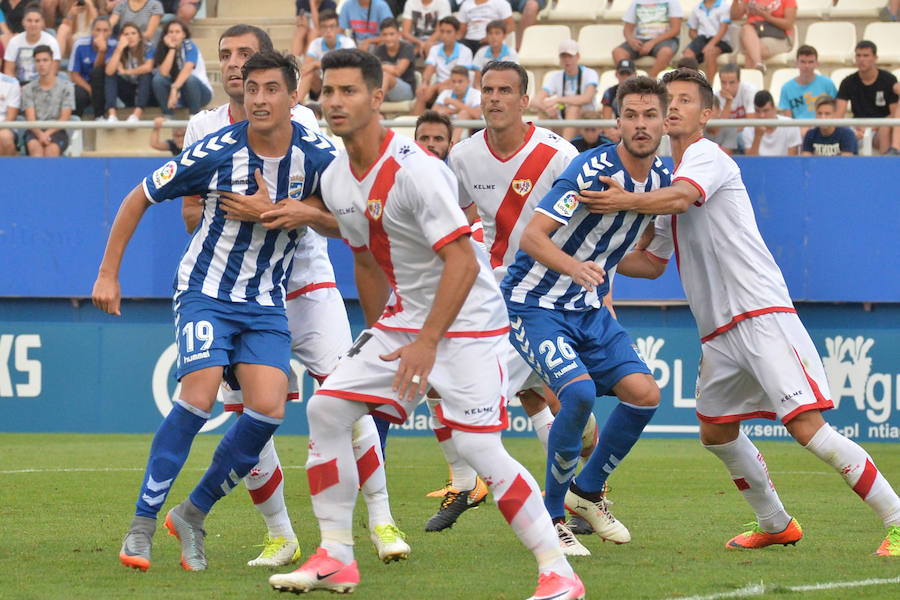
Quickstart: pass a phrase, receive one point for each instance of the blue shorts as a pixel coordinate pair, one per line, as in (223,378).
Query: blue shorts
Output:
(210,332)
(561,345)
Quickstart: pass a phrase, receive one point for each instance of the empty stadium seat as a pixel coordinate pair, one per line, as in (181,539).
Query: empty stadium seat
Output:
(255,9)
(834,41)
(597,43)
(813,8)
(838,75)
(751,76)
(540,44)
(887,37)
(779,78)
(576,10)
(616,10)
(857,8)
(531,91)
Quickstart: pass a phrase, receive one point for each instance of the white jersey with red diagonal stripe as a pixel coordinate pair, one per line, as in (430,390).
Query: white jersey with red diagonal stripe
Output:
(506,191)
(404,209)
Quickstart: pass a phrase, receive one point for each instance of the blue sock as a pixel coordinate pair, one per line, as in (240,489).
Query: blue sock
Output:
(382,425)
(170,448)
(236,454)
(621,432)
(576,401)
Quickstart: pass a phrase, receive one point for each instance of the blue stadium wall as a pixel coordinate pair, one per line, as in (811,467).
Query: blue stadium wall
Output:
(65,367)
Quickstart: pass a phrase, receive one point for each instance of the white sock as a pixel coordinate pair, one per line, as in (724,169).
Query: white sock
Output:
(266,486)
(542,421)
(518,497)
(858,470)
(370,467)
(751,476)
(331,471)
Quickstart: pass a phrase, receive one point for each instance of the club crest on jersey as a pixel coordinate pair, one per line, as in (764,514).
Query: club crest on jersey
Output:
(374,208)
(567,204)
(164,174)
(295,187)
(521,186)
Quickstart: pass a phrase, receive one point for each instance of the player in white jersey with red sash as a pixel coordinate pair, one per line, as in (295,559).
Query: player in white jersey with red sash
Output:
(320,331)
(397,208)
(758,360)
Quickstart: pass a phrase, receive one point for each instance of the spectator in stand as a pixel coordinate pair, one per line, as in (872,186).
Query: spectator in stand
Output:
(146,14)
(725,137)
(308,17)
(362,18)
(19,53)
(800,95)
(129,73)
(331,39)
(47,98)
(460,100)
(77,21)
(5,34)
(87,68)
(441,59)
(183,10)
(420,23)
(870,92)
(433,132)
(174,144)
(828,141)
(14,11)
(180,71)
(474,15)
(528,9)
(735,97)
(591,137)
(652,28)
(496,49)
(609,106)
(568,91)
(10,102)
(708,29)
(770,141)
(768,28)
(398,63)
(891,11)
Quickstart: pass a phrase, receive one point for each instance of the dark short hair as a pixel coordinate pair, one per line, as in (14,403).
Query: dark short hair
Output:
(265,42)
(270,59)
(762,98)
(433,116)
(688,62)
(450,20)
(807,50)
(825,99)
(98,19)
(863,44)
(731,68)
(389,22)
(508,65)
(644,86)
(692,76)
(328,15)
(460,70)
(496,24)
(42,49)
(354,58)
(33,7)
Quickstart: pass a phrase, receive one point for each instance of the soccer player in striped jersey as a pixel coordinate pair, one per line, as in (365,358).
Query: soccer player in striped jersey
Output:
(758,359)
(320,330)
(397,208)
(553,293)
(229,295)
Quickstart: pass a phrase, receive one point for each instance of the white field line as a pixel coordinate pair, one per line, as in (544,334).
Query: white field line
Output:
(759,589)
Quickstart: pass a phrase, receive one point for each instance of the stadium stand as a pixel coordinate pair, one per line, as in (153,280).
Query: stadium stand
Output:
(887,37)
(857,8)
(813,8)
(539,44)
(779,78)
(616,10)
(576,10)
(597,43)
(834,41)
(751,76)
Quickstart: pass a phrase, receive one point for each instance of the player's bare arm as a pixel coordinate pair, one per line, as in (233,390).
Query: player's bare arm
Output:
(471,213)
(372,285)
(537,243)
(240,207)
(417,358)
(107,295)
(191,212)
(309,212)
(672,200)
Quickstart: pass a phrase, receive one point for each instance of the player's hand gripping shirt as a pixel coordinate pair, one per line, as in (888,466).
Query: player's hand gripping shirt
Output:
(727,272)
(404,209)
(603,239)
(230,260)
(506,191)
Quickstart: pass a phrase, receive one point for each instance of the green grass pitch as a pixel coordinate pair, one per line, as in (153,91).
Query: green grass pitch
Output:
(66,501)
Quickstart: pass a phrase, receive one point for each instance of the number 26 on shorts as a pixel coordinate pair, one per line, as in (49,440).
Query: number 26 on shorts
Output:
(548,350)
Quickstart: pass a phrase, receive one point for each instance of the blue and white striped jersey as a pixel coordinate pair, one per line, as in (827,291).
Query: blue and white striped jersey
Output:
(602,238)
(239,261)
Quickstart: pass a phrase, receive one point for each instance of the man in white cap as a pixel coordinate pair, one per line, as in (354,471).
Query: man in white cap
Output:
(568,91)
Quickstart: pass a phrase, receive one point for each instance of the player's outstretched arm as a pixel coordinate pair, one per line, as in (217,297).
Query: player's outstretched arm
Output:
(672,200)
(639,263)
(311,212)
(537,243)
(107,295)
(417,358)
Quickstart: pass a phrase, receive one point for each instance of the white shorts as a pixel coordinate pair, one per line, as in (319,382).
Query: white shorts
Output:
(320,335)
(767,367)
(521,376)
(468,373)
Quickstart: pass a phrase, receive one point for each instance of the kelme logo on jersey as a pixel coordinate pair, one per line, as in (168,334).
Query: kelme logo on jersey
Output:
(374,208)
(567,204)
(164,174)
(295,187)
(521,186)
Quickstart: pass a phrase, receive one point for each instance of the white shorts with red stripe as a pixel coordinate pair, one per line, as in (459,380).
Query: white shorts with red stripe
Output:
(469,373)
(766,367)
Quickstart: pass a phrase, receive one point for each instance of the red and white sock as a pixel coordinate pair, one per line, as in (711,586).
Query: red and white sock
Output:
(542,422)
(370,468)
(751,476)
(462,475)
(858,470)
(517,496)
(265,482)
